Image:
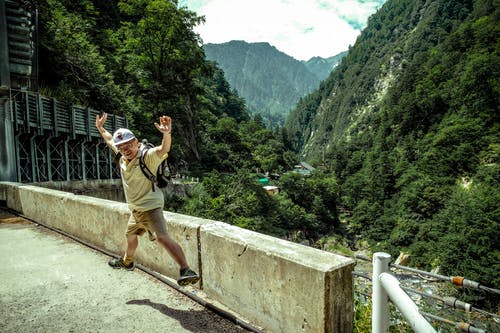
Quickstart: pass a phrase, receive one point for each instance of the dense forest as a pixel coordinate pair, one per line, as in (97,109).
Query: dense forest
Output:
(404,133)
(141,59)
(409,124)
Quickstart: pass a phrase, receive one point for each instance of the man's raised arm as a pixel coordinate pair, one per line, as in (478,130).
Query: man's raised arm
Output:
(99,123)
(165,127)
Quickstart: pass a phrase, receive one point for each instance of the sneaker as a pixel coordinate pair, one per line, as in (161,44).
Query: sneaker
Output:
(119,263)
(188,276)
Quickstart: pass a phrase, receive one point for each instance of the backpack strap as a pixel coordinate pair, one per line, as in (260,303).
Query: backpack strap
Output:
(118,155)
(145,170)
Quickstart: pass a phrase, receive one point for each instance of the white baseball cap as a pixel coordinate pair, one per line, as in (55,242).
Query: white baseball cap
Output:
(122,135)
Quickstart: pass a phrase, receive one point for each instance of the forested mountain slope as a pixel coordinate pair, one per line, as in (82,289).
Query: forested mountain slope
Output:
(409,123)
(270,81)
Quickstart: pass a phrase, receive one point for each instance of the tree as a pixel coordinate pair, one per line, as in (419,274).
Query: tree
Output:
(71,66)
(464,240)
(161,53)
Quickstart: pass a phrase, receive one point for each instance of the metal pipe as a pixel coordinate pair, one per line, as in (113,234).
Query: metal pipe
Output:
(418,271)
(380,299)
(405,304)
(463,327)
(362,275)
(458,281)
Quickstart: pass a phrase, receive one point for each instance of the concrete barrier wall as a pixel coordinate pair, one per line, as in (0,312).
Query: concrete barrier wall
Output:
(102,223)
(290,287)
(275,284)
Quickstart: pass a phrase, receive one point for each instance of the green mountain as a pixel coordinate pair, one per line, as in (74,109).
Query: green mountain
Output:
(322,67)
(270,81)
(409,124)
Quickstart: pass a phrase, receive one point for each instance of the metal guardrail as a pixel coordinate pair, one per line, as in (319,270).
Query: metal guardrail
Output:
(386,286)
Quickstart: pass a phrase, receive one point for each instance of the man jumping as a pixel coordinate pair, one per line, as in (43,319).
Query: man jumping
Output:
(145,204)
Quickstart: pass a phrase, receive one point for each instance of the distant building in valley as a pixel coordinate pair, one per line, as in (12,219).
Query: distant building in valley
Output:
(303,168)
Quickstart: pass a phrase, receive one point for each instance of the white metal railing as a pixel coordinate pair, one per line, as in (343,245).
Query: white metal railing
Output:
(385,286)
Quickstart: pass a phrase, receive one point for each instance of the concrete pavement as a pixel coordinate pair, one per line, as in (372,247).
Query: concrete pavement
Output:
(51,283)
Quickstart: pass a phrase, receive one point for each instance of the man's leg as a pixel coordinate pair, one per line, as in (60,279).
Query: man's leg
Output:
(187,275)
(127,261)
(132,242)
(173,249)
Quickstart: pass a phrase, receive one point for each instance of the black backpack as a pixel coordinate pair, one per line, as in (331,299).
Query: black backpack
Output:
(162,177)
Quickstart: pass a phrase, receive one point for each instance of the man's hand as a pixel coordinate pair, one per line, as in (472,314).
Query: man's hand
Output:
(165,125)
(99,121)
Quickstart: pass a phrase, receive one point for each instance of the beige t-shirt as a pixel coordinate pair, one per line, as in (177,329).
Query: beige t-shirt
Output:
(138,188)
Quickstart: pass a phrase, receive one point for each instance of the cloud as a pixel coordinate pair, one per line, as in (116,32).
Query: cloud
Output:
(356,13)
(300,28)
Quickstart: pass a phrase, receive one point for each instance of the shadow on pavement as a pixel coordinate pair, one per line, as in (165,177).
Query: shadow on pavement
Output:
(194,321)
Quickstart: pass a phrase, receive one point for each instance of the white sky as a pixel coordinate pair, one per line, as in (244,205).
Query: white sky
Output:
(300,28)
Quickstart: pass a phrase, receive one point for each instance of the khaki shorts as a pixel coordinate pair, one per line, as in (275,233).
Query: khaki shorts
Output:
(151,221)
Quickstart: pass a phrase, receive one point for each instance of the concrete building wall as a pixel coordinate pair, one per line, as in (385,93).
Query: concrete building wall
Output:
(275,284)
